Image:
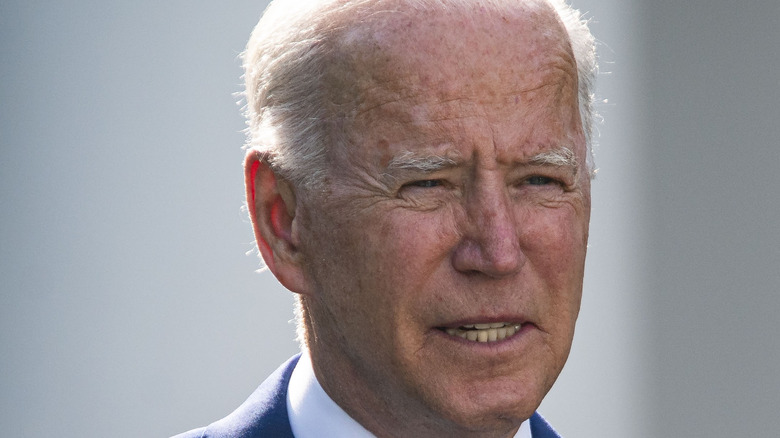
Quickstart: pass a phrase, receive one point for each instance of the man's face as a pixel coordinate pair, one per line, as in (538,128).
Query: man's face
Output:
(445,215)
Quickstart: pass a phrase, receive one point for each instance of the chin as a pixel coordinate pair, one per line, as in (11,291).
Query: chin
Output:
(496,406)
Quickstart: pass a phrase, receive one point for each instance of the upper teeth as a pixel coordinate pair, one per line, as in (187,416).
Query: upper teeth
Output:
(484,332)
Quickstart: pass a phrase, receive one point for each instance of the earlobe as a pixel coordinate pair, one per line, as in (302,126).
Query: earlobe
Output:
(272,207)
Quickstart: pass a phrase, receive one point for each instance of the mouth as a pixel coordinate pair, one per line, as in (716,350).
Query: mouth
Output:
(485,333)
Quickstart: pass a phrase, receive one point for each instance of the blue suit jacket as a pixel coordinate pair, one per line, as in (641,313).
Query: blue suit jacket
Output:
(264,413)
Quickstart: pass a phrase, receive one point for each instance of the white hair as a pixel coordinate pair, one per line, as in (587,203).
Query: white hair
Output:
(583,45)
(287,101)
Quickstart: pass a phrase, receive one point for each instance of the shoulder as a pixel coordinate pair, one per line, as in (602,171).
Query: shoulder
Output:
(263,414)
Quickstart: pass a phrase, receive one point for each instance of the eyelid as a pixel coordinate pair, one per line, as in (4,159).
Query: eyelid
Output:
(560,173)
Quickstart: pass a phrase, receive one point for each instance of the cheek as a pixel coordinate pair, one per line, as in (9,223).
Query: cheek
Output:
(555,235)
(415,239)
(386,257)
(556,243)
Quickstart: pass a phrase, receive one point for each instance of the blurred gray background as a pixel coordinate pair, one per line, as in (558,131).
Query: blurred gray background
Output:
(130,307)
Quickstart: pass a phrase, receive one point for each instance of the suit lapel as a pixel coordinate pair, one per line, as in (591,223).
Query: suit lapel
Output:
(264,413)
(541,428)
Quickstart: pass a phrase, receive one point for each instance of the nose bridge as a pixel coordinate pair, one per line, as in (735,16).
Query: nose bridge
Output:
(493,218)
(491,241)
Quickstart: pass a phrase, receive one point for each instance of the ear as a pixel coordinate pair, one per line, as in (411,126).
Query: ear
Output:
(272,207)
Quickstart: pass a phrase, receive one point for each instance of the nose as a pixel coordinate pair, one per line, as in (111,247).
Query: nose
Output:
(490,242)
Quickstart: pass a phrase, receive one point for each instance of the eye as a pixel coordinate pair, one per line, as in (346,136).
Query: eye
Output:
(538,180)
(425,183)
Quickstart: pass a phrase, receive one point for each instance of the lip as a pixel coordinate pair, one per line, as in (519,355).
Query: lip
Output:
(476,321)
(460,322)
(509,345)
(525,327)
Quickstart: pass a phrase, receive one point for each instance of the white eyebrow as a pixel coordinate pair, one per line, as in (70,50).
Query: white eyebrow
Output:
(408,160)
(561,157)
(424,163)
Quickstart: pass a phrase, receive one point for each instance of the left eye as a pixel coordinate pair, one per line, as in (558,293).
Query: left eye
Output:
(538,180)
(425,183)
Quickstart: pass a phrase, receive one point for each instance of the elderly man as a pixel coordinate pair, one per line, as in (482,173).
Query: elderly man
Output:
(418,173)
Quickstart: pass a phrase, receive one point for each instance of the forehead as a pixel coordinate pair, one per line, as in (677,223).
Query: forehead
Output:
(433,70)
(437,49)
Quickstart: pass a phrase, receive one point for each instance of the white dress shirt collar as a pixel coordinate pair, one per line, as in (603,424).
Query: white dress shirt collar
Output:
(313,414)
